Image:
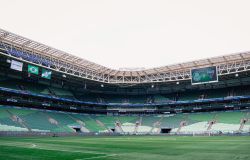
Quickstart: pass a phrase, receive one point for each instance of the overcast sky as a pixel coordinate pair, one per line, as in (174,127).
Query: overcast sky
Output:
(133,33)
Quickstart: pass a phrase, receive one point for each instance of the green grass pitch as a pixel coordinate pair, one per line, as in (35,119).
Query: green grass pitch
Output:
(125,148)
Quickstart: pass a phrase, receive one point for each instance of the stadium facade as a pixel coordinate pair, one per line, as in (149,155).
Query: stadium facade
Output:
(33,75)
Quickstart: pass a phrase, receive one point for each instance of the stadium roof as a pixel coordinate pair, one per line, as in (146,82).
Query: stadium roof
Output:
(180,71)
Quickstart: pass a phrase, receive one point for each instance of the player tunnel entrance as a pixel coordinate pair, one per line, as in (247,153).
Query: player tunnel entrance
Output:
(166,130)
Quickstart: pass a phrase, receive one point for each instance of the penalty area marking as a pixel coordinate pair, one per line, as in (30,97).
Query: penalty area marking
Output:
(33,145)
(97,157)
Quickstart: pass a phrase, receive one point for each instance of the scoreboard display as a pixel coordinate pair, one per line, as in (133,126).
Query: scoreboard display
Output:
(204,75)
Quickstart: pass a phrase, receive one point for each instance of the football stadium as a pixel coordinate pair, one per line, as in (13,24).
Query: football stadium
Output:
(48,93)
(57,105)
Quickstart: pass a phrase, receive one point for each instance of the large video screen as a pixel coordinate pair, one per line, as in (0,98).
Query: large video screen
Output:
(204,75)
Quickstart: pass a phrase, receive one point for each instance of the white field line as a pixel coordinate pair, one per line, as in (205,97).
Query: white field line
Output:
(132,139)
(97,157)
(36,146)
(88,141)
(55,147)
(119,140)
